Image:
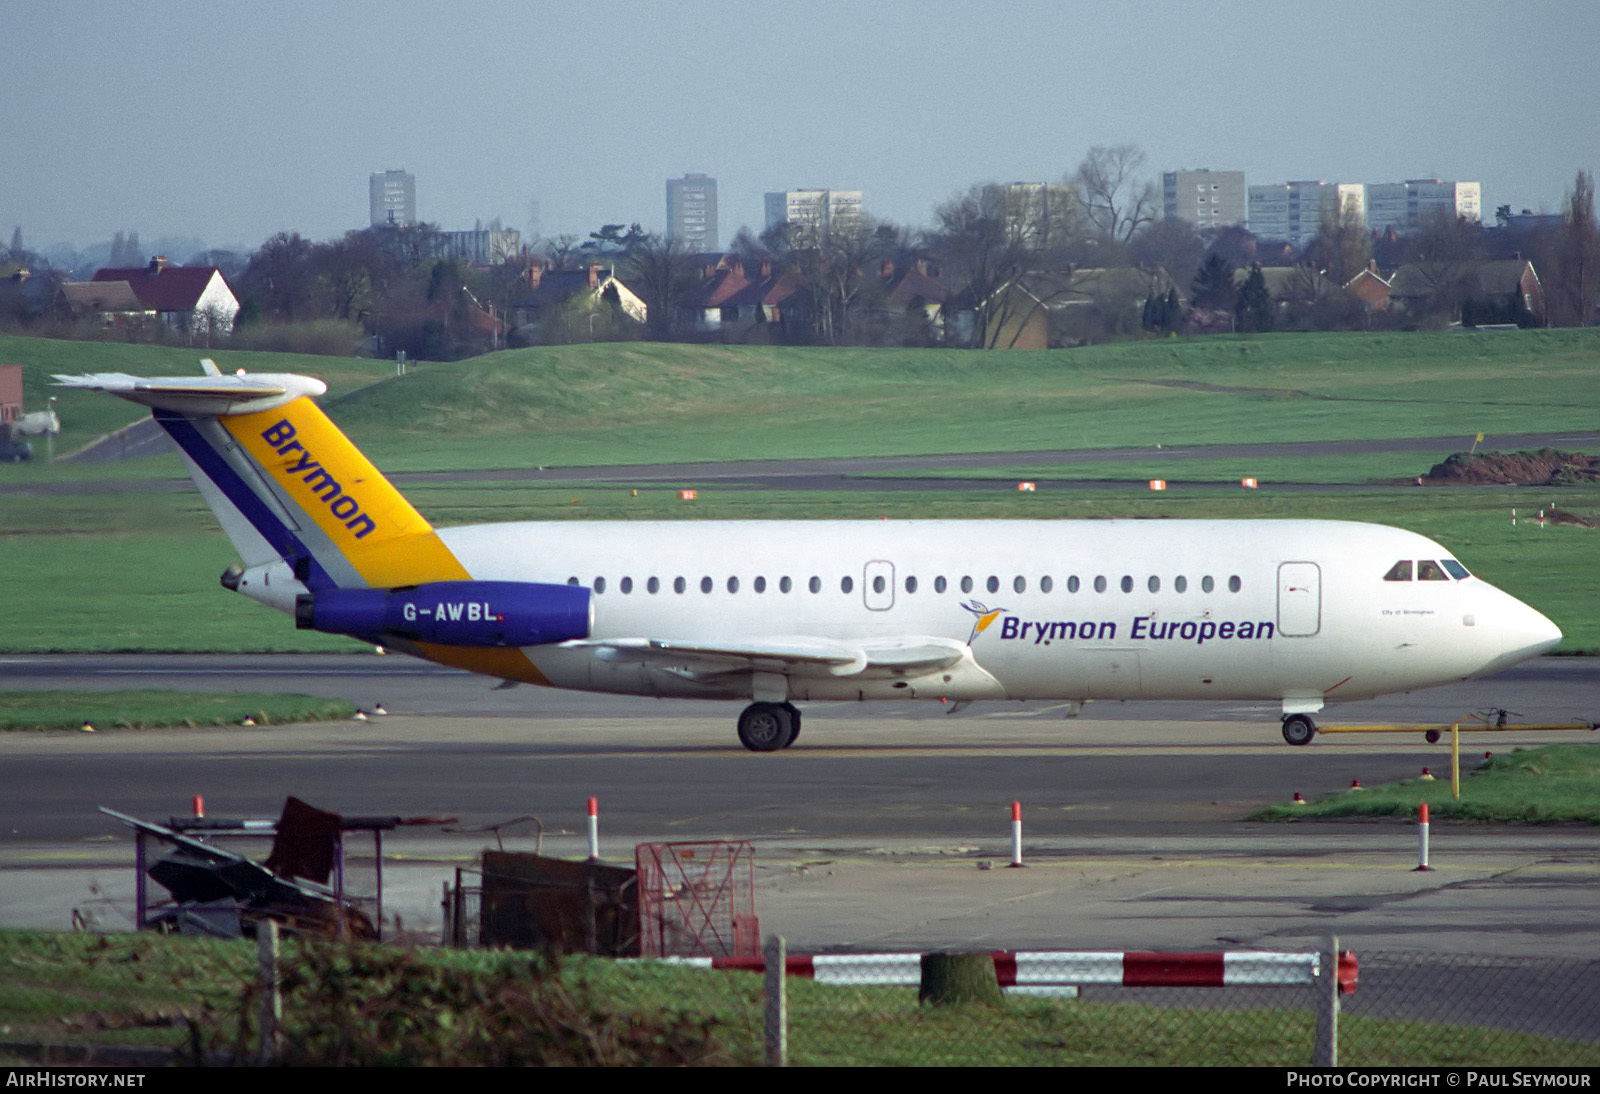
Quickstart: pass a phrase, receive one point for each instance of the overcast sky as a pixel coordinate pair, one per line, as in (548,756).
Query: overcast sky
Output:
(229,122)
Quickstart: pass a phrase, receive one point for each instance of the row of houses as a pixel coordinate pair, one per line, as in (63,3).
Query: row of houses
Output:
(735,299)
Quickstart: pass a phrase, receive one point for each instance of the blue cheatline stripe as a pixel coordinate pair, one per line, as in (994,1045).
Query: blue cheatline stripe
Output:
(286,543)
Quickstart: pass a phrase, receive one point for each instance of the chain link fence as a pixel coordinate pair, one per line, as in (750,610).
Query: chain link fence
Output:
(142,998)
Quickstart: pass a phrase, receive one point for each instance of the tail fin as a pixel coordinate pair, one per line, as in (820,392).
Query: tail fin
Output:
(285,483)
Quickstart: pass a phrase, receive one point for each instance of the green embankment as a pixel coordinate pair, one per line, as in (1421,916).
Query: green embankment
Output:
(644,403)
(127,564)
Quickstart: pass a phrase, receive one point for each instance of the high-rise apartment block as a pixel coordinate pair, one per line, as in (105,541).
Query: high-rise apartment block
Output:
(481,246)
(692,212)
(816,211)
(1292,211)
(393,199)
(1404,205)
(1206,199)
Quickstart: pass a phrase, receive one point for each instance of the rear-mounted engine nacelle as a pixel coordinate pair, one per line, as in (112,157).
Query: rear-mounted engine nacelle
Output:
(452,613)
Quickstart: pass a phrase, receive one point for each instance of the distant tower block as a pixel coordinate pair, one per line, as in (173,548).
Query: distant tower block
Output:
(692,212)
(393,199)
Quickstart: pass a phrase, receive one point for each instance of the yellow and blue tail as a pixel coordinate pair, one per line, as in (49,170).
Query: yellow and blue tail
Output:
(322,534)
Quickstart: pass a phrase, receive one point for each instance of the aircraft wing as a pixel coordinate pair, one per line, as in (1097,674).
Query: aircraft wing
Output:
(798,655)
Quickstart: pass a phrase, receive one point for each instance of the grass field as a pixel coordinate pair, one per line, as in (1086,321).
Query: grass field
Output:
(149,709)
(1550,785)
(648,402)
(153,991)
(124,564)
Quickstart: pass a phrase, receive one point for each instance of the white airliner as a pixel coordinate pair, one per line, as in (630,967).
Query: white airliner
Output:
(1295,612)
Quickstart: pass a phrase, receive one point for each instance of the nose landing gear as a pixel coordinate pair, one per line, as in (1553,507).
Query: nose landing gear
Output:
(1298,729)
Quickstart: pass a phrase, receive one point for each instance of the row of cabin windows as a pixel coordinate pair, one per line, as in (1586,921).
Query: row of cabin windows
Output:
(880,584)
(1426,570)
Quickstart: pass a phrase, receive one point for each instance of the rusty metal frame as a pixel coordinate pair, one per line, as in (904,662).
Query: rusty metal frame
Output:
(697,899)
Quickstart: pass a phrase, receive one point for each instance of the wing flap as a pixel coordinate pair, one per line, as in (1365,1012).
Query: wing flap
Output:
(798,655)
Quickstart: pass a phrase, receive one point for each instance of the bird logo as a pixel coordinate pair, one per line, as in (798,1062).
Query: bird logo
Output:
(982,617)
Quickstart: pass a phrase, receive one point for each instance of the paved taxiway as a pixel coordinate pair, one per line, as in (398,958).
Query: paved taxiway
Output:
(871,830)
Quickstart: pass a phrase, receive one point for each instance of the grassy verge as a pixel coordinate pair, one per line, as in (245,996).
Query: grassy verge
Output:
(149,709)
(412,1007)
(1549,785)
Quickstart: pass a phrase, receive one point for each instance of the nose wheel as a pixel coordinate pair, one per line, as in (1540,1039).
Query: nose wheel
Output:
(768,727)
(1298,729)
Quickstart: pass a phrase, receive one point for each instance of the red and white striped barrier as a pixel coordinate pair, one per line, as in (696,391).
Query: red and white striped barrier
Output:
(1043,968)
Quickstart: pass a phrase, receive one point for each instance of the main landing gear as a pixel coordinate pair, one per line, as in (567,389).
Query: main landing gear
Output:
(767,727)
(1298,729)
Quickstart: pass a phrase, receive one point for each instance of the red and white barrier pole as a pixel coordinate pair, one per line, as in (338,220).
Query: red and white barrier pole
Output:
(1422,837)
(594,830)
(199,807)
(1016,833)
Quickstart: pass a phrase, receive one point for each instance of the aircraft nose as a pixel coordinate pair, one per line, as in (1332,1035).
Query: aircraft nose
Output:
(1518,631)
(1545,635)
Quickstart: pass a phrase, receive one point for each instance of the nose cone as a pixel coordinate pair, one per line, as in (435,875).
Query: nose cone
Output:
(1515,631)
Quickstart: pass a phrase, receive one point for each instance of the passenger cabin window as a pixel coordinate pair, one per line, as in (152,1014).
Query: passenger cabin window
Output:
(1046,584)
(993,584)
(1429,570)
(939,584)
(1400,571)
(1154,584)
(678,584)
(761,585)
(815,585)
(705,584)
(653,586)
(572,581)
(1072,583)
(878,584)
(1206,584)
(599,585)
(966,584)
(1019,584)
(626,585)
(1234,584)
(733,584)
(784,584)
(1181,584)
(1100,584)
(846,584)
(1127,583)
(911,584)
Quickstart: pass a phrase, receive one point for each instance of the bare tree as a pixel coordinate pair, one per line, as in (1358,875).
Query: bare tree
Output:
(1342,245)
(1578,256)
(1445,253)
(1115,200)
(989,243)
(659,269)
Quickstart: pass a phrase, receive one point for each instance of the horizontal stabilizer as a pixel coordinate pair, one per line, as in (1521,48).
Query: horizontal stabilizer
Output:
(202,396)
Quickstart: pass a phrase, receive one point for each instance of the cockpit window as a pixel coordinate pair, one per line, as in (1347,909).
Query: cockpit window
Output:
(1455,568)
(1429,570)
(1401,571)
